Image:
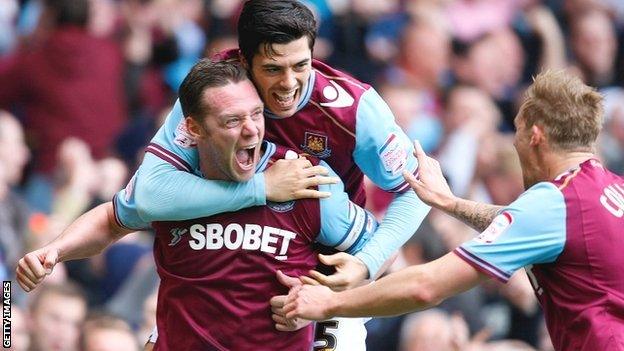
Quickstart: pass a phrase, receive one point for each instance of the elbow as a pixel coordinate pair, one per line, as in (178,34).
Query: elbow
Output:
(146,197)
(424,298)
(425,293)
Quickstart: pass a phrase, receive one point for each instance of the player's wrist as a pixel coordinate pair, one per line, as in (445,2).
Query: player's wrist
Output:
(334,303)
(450,204)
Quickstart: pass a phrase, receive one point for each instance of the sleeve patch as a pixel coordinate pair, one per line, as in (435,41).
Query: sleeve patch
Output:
(182,137)
(498,226)
(393,155)
(129,188)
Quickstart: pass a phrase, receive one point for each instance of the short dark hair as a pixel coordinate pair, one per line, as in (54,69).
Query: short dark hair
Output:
(207,74)
(268,22)
(69,12)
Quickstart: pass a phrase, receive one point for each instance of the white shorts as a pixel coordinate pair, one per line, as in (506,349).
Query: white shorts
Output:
(338,334)
(341,334)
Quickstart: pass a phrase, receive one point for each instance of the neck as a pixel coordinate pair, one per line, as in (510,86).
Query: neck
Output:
(559,163)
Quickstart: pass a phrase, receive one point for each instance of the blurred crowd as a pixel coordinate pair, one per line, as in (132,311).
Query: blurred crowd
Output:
(86,83)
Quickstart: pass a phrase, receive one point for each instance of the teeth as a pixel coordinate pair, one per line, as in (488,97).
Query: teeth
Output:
(285,96)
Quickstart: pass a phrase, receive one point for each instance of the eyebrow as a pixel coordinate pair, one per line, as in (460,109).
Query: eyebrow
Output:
(272,65)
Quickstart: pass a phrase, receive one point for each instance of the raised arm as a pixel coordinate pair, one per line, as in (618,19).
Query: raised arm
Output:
(87,236)
(433,189)
(382,151)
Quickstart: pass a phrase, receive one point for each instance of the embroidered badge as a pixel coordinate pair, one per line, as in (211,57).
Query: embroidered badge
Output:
(393,155)
(498,226)
(182,137)
(281,206)
(316,145)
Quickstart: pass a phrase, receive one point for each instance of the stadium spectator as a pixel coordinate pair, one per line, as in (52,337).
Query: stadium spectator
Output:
(102,332)
(68,85)
(566,229)
(20,330)
(594,44)
(57,312)
(14,213)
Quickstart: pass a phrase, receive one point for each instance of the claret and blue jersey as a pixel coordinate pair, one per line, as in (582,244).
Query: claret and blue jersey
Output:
(568,234)
(341,121)
(218,272)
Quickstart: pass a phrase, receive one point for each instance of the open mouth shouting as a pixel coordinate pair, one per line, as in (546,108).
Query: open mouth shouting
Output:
(286,100)
(246,157)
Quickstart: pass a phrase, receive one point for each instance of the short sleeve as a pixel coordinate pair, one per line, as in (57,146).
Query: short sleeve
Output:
(382,150)
(126,214)
(532,230)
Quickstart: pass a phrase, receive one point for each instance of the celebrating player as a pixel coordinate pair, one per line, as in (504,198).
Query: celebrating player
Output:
(565,229)
(219,272)
(308,106)
(311,107)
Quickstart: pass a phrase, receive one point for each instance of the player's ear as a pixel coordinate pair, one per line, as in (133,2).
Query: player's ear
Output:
(193,127)
(537,135)
(243,61)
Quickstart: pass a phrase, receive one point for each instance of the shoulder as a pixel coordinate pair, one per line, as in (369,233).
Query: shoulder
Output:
(336,90)
(538,197)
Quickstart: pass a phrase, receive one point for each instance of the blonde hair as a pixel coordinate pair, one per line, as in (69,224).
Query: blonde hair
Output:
(569,111)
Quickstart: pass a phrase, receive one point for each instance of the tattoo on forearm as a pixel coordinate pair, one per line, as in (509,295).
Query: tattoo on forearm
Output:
(475,214)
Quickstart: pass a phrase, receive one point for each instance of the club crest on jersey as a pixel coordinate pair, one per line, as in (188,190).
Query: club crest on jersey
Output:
(176,234)
(498,226)
(316,145)
(281,207)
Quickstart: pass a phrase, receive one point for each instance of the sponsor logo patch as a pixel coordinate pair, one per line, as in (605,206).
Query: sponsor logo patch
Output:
(316,145)
(337,96)
(182,137)
(176,234)
(129,188)
(498,226)
(393,155)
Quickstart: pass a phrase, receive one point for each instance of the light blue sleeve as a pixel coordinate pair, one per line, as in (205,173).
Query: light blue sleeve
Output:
(164,193)
(382,152)
(126,214)
(531,230)
(168,188)
(403,217)
(345,226)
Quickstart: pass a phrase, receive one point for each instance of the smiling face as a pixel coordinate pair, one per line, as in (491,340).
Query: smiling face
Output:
(281,75)
(230,134)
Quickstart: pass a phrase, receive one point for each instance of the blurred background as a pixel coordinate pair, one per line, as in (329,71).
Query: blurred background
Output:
(84,84)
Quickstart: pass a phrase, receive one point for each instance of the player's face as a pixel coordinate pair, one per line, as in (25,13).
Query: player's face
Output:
(522,143)
(281,76)
(230,137)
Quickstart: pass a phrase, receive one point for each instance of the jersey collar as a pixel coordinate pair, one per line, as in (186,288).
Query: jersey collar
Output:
(268,149)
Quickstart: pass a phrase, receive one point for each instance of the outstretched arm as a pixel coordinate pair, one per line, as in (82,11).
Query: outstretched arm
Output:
(432,188)
(410,289)
(89,235)
(159,184)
